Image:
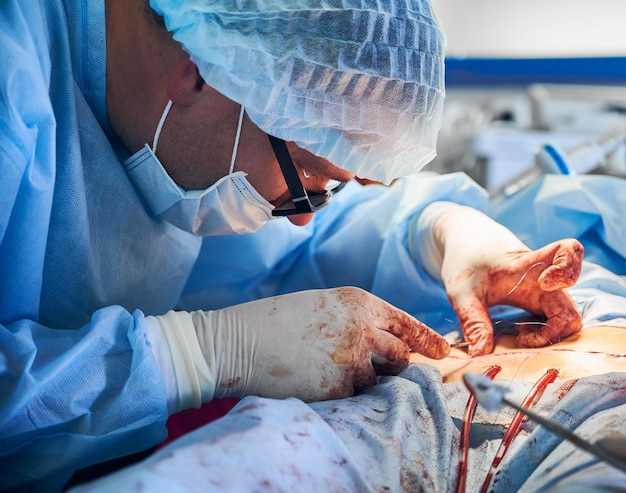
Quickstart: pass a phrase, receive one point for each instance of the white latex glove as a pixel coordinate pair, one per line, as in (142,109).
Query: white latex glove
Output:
(483,264)
(313,345)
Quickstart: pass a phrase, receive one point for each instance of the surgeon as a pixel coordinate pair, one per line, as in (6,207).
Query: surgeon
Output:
(148,154)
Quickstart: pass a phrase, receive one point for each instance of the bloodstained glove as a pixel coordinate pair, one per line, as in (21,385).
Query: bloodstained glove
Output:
(313,345)
(483,264)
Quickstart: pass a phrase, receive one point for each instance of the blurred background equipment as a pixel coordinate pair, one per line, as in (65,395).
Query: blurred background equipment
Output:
(533,87)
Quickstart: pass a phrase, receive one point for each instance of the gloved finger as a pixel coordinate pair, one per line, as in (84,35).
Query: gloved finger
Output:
(389,355)
(567,259)
(475,321)
(563,320)
(419,337)
(364,375)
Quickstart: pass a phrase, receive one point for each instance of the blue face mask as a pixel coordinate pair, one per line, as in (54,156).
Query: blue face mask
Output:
(231,205)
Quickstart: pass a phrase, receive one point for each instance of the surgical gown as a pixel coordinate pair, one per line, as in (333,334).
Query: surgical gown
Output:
(82,262)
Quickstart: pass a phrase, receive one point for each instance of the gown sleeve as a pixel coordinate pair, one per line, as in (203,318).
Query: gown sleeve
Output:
(73,398)
(361,239)
(69,397)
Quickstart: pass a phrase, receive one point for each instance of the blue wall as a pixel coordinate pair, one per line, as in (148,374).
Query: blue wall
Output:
(468,72)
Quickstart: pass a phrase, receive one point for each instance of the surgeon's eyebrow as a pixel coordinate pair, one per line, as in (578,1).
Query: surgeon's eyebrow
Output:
(336,174)
(319,166)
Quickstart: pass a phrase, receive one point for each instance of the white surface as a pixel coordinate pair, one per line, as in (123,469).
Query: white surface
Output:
(533,28)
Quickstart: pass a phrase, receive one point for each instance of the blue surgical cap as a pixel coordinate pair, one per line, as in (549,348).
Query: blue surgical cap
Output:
(357,82)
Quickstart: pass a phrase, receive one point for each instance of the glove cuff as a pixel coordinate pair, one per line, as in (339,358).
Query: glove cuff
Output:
(195,377)
(423,244)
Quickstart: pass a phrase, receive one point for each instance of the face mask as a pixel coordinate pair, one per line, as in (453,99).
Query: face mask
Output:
(231,205)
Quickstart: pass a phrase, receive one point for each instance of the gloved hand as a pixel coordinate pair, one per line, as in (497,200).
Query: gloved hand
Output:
(483,264)
(313,345)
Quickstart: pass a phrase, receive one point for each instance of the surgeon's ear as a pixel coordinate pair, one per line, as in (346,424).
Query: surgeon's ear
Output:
(186,85)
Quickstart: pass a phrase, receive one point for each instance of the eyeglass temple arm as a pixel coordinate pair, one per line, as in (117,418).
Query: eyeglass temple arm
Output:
(288,168)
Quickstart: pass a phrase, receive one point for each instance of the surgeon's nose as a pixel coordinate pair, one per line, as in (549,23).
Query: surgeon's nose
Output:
(300,219)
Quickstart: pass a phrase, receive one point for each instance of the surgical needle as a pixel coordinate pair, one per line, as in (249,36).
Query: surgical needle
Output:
(460,344)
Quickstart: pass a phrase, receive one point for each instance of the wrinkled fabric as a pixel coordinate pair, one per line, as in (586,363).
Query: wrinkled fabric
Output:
(94,396)
(374,221)
(400,435)
(360,83)
(79,382)
(82,261)
(587,207)
(262,445)
(593,408)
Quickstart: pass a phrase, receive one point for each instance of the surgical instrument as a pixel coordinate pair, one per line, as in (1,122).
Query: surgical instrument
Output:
(491,396)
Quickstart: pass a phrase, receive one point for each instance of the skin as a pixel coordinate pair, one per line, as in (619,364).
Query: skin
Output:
(593,351)
(485,264)
(145,69)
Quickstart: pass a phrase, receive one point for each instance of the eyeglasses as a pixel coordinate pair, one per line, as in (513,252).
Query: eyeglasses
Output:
(301,202)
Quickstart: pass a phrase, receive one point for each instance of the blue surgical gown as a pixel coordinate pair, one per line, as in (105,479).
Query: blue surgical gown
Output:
(82,262)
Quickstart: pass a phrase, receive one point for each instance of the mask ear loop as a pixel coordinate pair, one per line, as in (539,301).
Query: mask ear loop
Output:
(157,133)
(236,146)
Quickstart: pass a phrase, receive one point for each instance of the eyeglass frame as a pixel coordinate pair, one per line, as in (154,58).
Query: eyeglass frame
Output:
(302,202)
